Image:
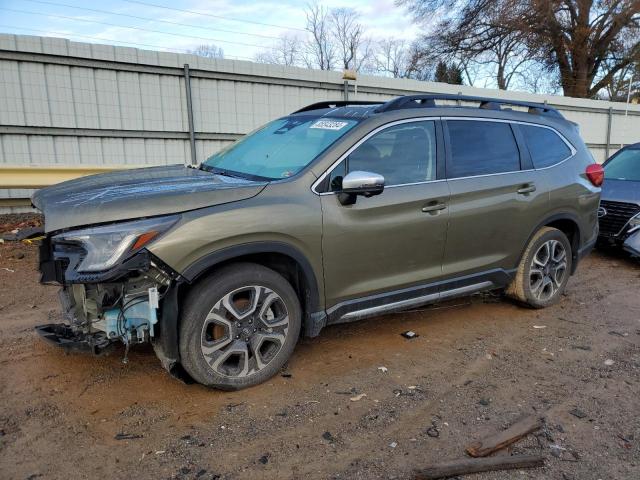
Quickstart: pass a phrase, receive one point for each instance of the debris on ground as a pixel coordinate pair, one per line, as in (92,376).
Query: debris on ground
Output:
(393,444)
(619,334)
(586,348)
(357,398)
(409,334)
(608,362)
(328,437)
(576,412)
(465,466)
(539,326)
(383,369)
(127,436)
(433,431)
(497,441)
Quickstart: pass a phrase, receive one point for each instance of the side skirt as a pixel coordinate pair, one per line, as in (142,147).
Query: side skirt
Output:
(398,300)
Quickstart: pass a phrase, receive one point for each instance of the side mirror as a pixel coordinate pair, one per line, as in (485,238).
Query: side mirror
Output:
(360,183)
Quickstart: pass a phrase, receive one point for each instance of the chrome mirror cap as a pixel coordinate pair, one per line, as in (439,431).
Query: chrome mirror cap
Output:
(362,182)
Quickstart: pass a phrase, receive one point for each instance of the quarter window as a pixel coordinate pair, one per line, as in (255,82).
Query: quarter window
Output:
(545,146)
(404,153)
(480,148)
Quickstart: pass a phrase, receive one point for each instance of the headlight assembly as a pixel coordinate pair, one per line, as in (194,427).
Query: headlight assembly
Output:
(105,246)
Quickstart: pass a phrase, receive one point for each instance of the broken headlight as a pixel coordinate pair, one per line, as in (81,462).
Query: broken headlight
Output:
(105,246)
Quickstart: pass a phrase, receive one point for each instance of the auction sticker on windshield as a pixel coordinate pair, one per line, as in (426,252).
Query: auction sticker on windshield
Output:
(329,124)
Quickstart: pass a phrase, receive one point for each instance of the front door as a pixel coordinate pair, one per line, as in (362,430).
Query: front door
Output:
(394,240)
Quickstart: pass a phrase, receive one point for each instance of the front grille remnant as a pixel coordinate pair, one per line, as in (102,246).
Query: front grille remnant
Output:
(614,216)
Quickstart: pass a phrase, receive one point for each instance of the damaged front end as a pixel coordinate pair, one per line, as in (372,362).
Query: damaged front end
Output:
(632,243)
(113,289)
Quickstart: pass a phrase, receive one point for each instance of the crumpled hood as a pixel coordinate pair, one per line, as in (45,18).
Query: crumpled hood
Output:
(142,192)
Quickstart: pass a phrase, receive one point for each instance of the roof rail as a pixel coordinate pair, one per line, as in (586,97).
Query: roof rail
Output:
(429,101)
(335,104)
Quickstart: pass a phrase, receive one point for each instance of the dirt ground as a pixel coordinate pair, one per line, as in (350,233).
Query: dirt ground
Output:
(477,365)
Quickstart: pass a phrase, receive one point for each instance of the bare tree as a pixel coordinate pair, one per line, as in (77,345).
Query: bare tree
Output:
(287,51)
(392,57)
(209,51)
(336,40)
(353,49)
(420,65)
(470,40)
(625,80)
(320,50)
(574,38)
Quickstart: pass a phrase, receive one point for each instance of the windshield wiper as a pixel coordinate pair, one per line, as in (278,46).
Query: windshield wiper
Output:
(219,171)
(232,173)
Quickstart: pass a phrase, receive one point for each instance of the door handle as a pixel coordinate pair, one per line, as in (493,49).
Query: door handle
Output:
(528,188)
(433,207)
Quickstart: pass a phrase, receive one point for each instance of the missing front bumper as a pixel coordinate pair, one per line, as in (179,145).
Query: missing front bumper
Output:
(63,336)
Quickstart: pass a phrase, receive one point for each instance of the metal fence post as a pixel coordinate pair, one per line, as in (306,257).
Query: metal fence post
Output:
(192,133)
(609,120)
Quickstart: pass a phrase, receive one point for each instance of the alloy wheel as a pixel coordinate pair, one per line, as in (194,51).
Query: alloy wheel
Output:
(244,331)
(548,270)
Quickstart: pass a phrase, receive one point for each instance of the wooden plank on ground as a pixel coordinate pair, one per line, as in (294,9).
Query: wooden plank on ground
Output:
(499,440)
(466,466)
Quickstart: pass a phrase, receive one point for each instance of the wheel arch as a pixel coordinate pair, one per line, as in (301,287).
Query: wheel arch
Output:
(285,259)
(568,224)
(282,257)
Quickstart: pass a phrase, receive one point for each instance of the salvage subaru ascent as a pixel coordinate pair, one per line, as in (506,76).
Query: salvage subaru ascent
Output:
(338,212)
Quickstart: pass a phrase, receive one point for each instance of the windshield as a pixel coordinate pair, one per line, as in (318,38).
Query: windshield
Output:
(280,149)
(624,166)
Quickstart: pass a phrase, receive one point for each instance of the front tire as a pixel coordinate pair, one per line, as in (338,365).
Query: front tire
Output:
(239,326)
(544,269)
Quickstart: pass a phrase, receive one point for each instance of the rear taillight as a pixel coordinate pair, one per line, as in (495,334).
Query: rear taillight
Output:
(595,174)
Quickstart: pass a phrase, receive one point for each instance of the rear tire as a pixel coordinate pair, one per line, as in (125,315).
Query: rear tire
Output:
(544,269)
(239,326)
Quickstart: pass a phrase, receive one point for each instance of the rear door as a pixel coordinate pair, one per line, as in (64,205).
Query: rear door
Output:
(496,198)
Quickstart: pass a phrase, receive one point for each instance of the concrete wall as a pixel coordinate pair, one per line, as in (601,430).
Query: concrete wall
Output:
(71,103)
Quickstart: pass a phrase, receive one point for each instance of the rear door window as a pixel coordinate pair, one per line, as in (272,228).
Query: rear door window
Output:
(545,146)
(481,148)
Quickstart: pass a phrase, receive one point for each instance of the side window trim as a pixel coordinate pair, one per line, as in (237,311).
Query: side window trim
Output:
(526,163)
(441,151)
(321,185)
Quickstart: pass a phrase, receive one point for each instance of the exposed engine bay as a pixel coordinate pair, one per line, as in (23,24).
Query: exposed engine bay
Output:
(125,311)
(102,313)
(101,309)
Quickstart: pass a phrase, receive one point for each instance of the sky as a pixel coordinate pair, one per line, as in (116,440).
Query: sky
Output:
(248,27)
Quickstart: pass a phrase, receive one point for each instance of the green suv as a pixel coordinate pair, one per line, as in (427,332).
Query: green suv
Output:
(337,212)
